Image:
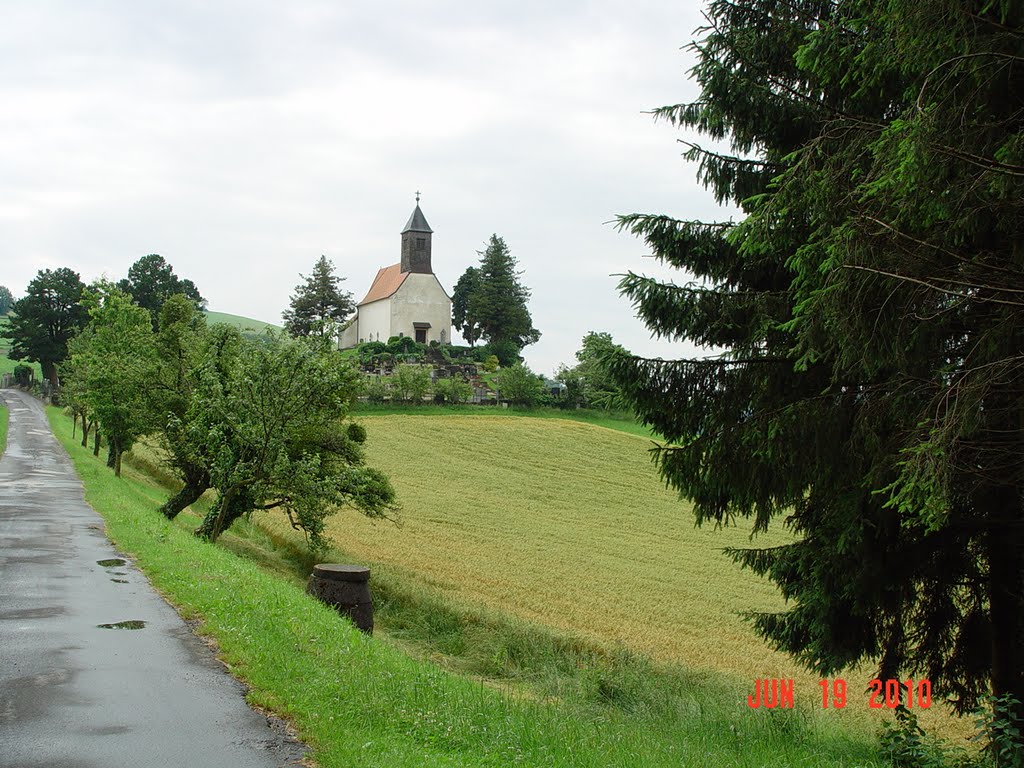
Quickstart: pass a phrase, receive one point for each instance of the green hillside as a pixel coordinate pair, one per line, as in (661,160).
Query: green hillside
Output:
(245,323)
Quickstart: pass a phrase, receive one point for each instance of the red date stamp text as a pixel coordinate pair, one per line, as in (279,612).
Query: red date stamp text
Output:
(880,694)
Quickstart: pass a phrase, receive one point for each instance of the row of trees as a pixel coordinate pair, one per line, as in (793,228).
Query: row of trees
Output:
(261,420)
(869,308)
(52,312)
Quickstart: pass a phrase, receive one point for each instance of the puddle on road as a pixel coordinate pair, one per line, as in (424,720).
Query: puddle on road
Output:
(120,581)
(130,624)
(114,562)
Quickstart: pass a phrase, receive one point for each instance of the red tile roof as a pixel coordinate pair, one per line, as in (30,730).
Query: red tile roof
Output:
(387,281)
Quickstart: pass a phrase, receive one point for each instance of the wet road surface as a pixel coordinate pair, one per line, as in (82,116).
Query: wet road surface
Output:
(95,668)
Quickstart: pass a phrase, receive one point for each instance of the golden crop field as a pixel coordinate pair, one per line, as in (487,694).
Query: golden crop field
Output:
(568,525)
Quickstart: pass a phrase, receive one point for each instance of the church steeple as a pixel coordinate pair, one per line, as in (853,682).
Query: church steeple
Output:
(416,242)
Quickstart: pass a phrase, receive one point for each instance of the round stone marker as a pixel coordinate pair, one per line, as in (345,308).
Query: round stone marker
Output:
(347,588)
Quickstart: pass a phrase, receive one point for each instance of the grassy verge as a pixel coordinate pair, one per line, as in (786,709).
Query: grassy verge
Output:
(621,422)
(361,701)
(3,429)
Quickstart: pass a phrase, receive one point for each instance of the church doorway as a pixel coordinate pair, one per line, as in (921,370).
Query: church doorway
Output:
(421,335)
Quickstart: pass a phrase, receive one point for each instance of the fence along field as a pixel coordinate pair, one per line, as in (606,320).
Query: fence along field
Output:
(567,525)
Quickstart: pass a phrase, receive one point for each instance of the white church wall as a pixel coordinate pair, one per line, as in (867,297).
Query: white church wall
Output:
(375,321)
(421,299)
(349,336)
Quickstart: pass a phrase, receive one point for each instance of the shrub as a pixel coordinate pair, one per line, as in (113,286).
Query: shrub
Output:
(491,363)
(411,383)
(23,375)
(454,390)
(520,386)
(376,389)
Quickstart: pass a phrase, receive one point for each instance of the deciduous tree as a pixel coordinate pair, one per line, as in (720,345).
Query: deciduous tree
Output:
(870,305)
(184,345)
(519,385)
(6,300)
(151,281)
(273,424)
(45,318)
(112,364)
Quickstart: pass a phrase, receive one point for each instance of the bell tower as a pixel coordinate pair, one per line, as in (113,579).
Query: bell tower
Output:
(416,242)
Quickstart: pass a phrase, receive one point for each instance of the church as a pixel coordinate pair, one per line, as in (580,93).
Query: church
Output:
(405,299)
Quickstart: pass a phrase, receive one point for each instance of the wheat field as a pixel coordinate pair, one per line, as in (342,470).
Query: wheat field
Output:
(568,525)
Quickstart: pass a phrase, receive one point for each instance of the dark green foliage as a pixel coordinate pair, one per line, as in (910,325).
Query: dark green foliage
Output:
(23,375)
(905,745)
(406,346)
(6,300)
(318,304)
(490,303)
(45,318)
(151,281)
(462,319)
(998,729)
(869,308)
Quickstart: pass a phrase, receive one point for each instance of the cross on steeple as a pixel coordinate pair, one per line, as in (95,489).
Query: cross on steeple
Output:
(417,197)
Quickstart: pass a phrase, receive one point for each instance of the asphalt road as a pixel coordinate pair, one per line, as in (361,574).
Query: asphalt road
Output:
(74,694)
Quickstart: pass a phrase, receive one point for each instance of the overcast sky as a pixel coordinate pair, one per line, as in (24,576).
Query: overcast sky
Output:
(241,140)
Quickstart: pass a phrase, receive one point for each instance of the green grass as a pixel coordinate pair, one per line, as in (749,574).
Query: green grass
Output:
(362,702)
(3,429)
(244,323)
(621,422)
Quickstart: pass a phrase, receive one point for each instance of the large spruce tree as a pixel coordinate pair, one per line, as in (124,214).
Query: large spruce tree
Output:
(491,302)
(869,309)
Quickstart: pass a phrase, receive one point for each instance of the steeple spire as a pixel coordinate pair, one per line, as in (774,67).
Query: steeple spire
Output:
(416,242)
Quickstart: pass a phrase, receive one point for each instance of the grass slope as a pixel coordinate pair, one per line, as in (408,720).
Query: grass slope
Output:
(244,323)
(3,429)
(621,422)
(358,701)
(567,525)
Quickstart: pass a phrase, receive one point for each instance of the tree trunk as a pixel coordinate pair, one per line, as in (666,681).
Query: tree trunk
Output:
(74,424)
(1006,606)
(197,481)
(50,372)
(96,441)
(117,460)
(85,431)
(226,509)
(111,452)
